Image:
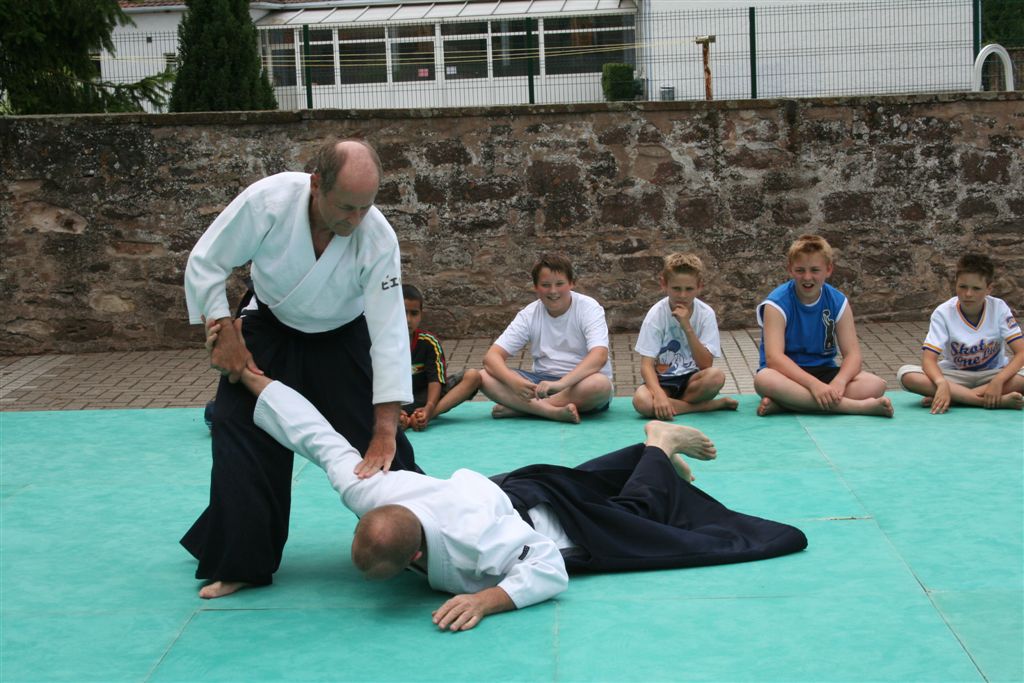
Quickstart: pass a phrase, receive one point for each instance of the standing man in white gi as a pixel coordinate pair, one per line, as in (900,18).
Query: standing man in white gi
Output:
(327,318)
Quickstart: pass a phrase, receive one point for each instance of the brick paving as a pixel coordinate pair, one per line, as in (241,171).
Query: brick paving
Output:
(183,379)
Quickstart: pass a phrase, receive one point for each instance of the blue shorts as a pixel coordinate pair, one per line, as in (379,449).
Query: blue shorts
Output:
(538,377)
(675,385)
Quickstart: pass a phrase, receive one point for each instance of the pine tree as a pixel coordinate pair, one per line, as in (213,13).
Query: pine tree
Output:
(47,64)
(219,60)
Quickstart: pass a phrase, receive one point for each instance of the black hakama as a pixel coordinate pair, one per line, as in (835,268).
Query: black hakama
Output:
(629,510)
(241,534)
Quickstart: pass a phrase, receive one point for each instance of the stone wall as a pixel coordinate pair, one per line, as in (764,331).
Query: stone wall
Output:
(98,213)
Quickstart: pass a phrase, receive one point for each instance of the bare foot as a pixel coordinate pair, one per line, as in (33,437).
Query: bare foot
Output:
(682,469)
(403,421)
(673,438)
(882,407)
(218,589)
(1013,400)
(723,403)
(499,411)
(726,403)
(768,407)
(926,402)
(567,413)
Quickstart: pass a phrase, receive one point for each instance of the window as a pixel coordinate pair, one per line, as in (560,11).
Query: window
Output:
(509,53)
(362,55)
(281,43)
(465,28)
(170,61)
(320,58)
(465,58)
(412,61)
(585,44)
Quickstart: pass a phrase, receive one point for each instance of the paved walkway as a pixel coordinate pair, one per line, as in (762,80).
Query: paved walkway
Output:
(172,379)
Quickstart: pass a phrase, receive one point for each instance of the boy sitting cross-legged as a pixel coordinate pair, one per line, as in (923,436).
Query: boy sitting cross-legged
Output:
(973,333)
(434,391)
(804,323)
(678,343)
(568,338)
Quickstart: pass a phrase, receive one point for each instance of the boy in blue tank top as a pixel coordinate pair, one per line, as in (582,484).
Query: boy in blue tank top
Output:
(804,323)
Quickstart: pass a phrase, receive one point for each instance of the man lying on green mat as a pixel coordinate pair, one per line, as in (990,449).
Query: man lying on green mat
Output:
(510,541)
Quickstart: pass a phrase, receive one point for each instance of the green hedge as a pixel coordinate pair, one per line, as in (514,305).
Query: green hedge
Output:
(617,82)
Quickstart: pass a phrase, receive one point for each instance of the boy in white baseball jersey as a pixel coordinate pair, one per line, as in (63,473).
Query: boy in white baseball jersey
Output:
(568,337)
(975,334)
(678,343)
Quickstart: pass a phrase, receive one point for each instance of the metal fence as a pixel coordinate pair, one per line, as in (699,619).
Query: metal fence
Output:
(849,48)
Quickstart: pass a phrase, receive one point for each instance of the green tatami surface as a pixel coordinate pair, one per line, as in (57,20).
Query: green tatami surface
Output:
(914,570)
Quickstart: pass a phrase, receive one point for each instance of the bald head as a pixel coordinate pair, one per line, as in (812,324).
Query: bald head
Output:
(386,540)
(352,160)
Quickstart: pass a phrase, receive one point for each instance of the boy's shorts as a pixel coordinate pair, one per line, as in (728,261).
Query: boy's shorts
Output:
(419,398)
(675,385)
(965,378)
(824,373)
(537,378)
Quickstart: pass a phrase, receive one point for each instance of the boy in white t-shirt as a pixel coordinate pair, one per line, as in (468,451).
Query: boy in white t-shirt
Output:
(974,333)
(568,337)
(678,344)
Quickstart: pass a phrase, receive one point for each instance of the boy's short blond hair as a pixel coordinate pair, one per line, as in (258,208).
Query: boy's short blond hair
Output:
(809,244)
(683,264)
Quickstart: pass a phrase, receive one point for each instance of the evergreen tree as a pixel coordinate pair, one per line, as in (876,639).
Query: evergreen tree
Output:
(47,64)
(1002,21)
(219,60)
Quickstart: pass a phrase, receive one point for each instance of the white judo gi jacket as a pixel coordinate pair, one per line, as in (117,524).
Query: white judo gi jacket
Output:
(475,538)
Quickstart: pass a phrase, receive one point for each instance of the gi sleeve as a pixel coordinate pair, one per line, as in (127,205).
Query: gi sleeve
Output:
(531,564)
(230,241)
(295,423)
(389,335)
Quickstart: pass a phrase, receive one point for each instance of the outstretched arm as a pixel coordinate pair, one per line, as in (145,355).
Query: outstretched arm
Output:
(463,612)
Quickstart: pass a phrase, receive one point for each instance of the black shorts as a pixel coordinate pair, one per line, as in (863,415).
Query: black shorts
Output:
(825,373)
(675,385)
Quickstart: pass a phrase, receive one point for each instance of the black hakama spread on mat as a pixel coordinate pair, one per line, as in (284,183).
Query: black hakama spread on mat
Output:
(241,534)
(629,510)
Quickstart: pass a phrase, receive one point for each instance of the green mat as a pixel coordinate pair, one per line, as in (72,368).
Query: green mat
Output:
(914,572)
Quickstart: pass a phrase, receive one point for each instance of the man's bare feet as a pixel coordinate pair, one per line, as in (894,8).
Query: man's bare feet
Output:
(768,407)
(673,438)
(218,589)
(682,469)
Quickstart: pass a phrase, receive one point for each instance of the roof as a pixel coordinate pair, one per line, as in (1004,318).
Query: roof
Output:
(344,11)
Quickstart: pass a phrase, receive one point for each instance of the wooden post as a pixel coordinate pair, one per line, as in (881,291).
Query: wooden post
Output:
(705,43)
